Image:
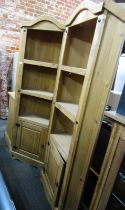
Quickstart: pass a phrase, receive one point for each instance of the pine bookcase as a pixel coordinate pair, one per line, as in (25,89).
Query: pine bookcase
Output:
(40,47)
(65,72)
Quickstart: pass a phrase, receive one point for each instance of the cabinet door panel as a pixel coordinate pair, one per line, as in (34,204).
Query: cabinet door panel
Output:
(30,140)
(54,167)
(52,176)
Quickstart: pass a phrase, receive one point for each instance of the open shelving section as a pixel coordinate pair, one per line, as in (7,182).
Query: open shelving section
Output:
(78,45)
(40,82)
(61,133)
(67,96)
(72,79)
(46,46)
(32,106)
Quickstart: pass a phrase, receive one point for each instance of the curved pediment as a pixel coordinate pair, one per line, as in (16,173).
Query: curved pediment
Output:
(116,7)
(45,22)
(88,9)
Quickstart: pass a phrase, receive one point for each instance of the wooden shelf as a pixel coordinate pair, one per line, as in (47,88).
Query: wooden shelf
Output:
(62,142)
(40,63)
(35,119)
(94,171)
(68,109)
(38,93)
(74,70)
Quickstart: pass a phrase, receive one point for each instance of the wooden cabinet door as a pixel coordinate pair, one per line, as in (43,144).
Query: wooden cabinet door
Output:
(52,176)
(31,140)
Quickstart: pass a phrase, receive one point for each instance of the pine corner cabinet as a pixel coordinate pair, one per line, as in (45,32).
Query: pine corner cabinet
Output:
(40,47)
(65,72)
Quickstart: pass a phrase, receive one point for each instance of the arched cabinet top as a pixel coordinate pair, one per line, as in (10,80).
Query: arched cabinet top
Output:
(116,7)
(86,9)
(45,22)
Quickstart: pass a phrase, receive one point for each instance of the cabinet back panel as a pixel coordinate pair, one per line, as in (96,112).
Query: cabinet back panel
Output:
(43,45)
(79,44)
(70,87)
(61,124)
(38,78)
(34,106)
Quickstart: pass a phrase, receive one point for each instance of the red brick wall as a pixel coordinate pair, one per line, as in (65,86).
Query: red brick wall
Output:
(13,12)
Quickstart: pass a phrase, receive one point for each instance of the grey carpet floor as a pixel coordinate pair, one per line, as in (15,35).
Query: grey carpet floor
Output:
(22,180)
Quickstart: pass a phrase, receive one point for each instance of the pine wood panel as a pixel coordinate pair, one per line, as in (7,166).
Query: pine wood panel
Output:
(85,7)
(31,140)
(40,63)
(69,69)
(35,120)
(45,44)
(19,80)
(66,90)
(50,21)
(39,94)
(116,8)
(52,176)
(34,106)
(79,44)
(61,124)
(38,78)
(68,109)
(62,142)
